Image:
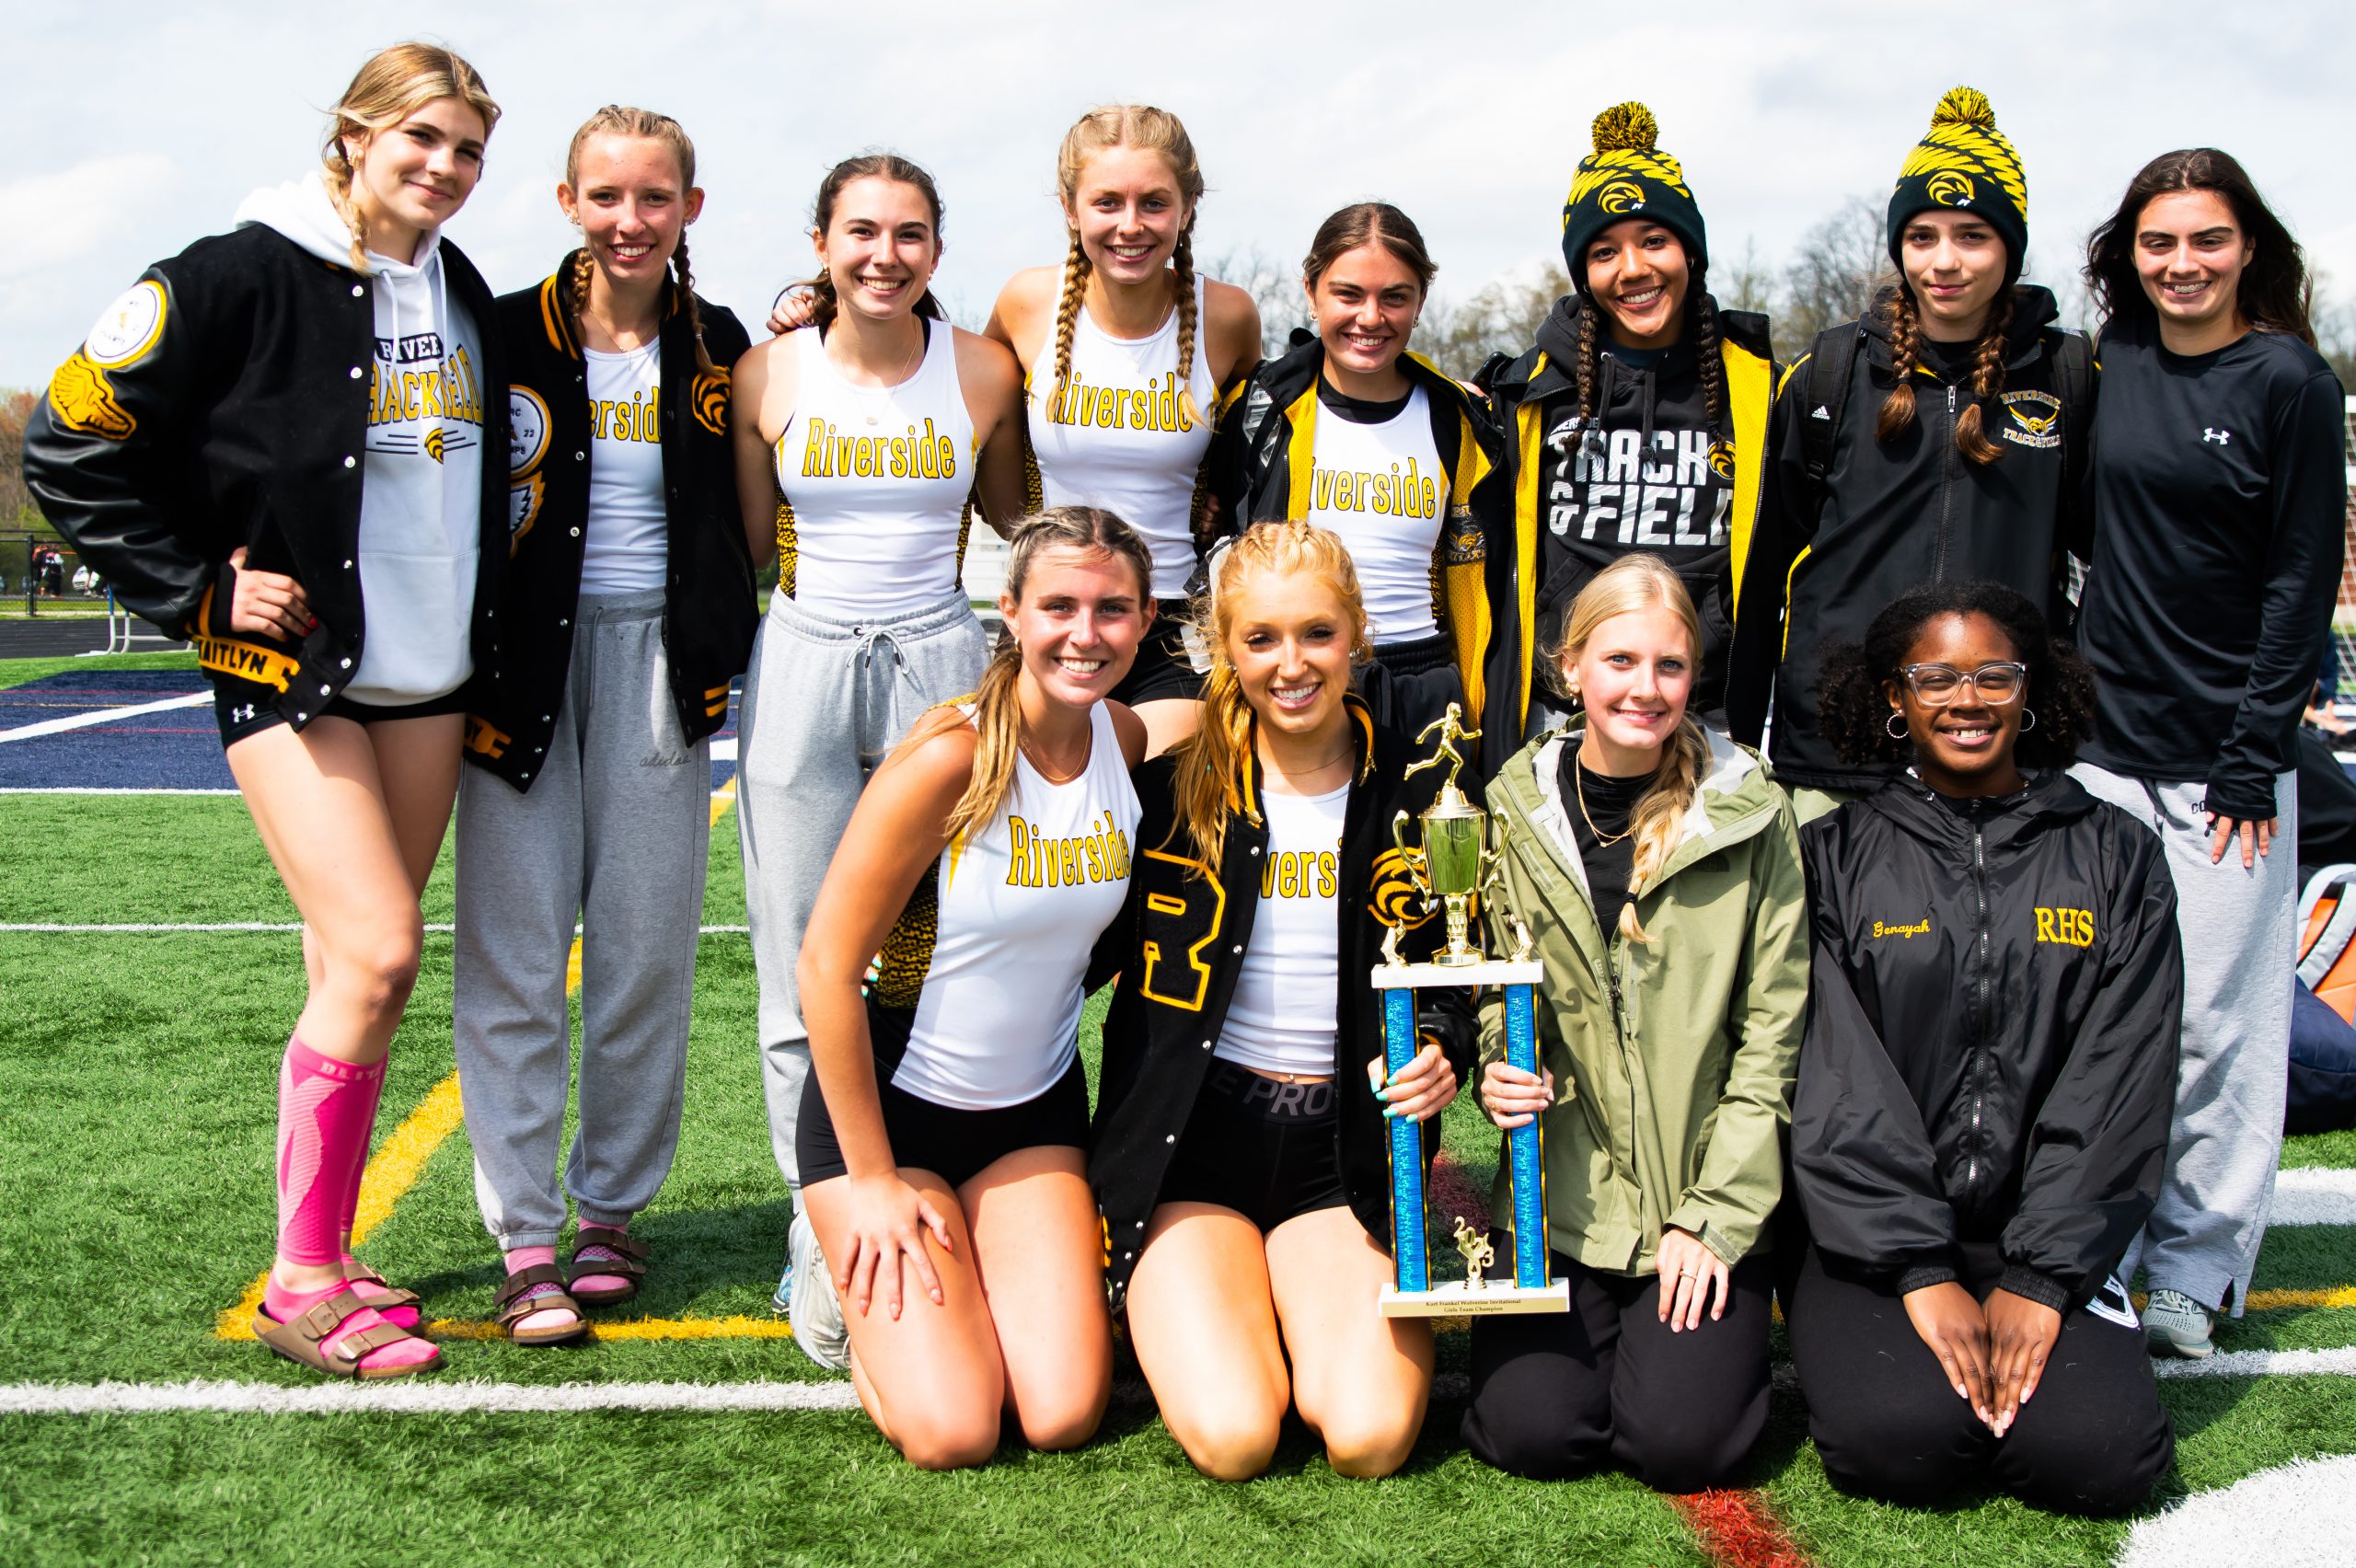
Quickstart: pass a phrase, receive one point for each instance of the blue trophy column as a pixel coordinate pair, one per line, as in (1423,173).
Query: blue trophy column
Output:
(1406,1148)
(1530,1262)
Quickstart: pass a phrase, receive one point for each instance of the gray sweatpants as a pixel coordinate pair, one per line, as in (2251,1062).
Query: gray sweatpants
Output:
(2240,951)
(615,830)
(825,701)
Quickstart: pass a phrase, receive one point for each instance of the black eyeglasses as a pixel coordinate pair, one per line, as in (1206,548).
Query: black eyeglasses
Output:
(1938,685)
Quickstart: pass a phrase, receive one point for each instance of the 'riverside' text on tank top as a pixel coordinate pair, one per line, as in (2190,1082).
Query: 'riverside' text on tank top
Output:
(878,479)
(1116,435)
(1383,489)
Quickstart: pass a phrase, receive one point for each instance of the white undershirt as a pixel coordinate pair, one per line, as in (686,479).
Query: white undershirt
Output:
(626,544)
(1281,1019)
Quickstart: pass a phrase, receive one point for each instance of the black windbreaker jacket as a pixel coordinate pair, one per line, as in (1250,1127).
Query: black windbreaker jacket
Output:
(709,612)
(1991,1035)
(1178,945)
(241,421)
(1895,515)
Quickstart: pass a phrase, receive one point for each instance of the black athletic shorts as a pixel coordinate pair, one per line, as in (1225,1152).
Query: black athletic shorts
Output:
(1269,1151)
(954,1144)
(245,707)
(1409,685)
(1162,671)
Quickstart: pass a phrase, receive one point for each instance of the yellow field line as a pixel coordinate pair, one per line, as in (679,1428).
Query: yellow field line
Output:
(400,1161)
(642,1329)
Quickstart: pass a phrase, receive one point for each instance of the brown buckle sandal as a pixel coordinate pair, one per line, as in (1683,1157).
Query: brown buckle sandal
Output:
(374,1292)
(511,1306)
(304,1338)
(629,1261)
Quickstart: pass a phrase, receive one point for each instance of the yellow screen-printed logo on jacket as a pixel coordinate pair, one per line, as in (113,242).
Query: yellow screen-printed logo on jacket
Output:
(1034,859)
(709,397)
(2032,418)
(1154,407)
(829,453)
(1403,492)
(2073,927)
(1398,899)
(80,394)
(1917,929)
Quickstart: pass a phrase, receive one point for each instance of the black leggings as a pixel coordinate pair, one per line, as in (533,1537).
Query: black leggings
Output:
(1560,1394)
(1888,1425)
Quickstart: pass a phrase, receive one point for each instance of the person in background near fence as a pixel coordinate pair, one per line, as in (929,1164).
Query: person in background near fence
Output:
(1656,861)
(274,440)
(942,1136)
(860,448)
(1982,1110)
(1351,432)
(1127,355)
(1638,423)
(2220,496)
(1244,1176)
(1944,436)
(627,610)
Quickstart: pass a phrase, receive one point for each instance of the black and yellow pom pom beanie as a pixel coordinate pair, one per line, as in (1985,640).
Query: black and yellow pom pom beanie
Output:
(1628,176)
(1965,162)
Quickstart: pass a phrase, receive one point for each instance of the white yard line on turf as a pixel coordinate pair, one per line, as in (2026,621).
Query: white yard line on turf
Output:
(160,928)
(103,716)
(2315,1195)
(2338,1363)
(101,790)
(422,1397)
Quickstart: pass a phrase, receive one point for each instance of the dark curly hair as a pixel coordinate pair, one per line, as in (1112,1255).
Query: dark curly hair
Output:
(1853,715)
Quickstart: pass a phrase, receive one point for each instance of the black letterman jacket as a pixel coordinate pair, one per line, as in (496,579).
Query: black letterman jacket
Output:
(709,614)
(241,418)
(1178,944)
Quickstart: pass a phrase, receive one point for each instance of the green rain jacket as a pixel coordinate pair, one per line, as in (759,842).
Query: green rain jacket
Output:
(1673,1059)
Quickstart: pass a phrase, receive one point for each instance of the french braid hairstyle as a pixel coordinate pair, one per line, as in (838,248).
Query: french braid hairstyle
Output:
(1154,131)
(1210,761)
(1643,582)
(615,120)
(391,85)
(1905,327)
(823,304)
(1701,325)
(997,709)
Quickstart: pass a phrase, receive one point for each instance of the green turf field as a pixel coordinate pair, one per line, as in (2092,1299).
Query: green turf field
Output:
(137,1082)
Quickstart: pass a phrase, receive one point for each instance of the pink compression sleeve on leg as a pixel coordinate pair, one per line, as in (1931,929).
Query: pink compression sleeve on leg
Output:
(371,1088)
(326,1111)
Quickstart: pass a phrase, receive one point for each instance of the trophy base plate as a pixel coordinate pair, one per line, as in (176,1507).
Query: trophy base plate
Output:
(1488,972)
(1455,1299)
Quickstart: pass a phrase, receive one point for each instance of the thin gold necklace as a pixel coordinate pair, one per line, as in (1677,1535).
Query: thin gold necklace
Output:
(1578,787)
(1051,774)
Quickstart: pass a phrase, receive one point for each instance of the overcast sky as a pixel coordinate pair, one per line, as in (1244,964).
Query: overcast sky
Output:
(135,128)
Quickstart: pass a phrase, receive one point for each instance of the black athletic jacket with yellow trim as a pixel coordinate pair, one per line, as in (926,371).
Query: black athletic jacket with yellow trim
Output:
(1260,466)
(1514,507)
(1178,947)
(1893,515)
(709,612)
(1992,1036)
(242,421)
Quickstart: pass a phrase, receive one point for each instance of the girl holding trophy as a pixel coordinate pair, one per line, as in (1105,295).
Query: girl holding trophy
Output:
(1659,866)
(1242,1174)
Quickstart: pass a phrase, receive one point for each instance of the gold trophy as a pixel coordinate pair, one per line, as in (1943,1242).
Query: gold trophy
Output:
(1453,870)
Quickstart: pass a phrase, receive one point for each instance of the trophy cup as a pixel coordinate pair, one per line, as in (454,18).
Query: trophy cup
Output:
(1452,869)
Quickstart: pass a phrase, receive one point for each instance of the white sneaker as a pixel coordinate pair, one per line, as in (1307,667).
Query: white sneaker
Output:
(818,1312)
(2178,1325)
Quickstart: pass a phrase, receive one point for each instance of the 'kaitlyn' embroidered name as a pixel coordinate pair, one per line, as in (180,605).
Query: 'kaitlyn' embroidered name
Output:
(1037,861)
(826,454)
(1408,493)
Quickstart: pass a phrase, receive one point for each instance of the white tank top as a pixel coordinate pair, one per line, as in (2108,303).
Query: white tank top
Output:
(1383,489)
(1115,436)
(1281,1019)
(1003,939)
(878,478)
(626,542)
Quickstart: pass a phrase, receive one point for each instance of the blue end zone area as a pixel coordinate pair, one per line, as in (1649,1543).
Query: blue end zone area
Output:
(173,748)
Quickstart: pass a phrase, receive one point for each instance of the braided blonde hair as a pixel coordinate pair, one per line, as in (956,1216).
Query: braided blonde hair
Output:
(1154,131)
(616,119)
(391,85)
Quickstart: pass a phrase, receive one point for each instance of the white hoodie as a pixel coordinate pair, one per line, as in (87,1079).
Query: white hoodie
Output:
(422,491)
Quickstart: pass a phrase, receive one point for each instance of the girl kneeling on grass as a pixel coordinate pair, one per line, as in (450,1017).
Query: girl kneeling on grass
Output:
(629,610)
(940,1143)
(1659,866)
(1244,1178)
(276,439)
(1982,1111)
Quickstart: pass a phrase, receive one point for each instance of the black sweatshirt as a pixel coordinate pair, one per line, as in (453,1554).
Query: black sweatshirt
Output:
(2220,488)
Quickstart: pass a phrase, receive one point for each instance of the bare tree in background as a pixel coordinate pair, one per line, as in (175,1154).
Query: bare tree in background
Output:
(1500,316)
(2334,316)
(1745,283)
(16,508)
(1832,275)
(1274,288)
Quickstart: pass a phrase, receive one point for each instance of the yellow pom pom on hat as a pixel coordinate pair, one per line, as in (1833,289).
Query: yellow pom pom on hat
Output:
(1963,162)
(1627,175)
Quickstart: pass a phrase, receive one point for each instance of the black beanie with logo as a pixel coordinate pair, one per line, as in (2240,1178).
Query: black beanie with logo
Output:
(1965,164)
(1627,175)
